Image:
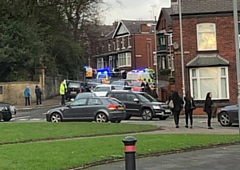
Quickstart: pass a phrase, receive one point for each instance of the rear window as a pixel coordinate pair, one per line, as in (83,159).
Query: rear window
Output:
(118,96)
(99,89)
(73,85)
(117,83)
(114,101)
(137,84)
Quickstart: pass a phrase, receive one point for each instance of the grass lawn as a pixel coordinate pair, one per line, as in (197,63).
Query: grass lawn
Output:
(16,132)
(59,155)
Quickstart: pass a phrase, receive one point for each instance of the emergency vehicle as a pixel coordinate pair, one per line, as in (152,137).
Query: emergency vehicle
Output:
(103,75)
(147,75)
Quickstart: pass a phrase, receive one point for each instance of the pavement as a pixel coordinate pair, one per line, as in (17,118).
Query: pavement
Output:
(54,101)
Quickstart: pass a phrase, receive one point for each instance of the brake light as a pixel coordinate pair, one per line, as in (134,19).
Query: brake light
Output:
(80,90)
(112,107)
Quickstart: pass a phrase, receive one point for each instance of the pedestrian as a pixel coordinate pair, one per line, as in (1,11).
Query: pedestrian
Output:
(62,92)
(143,86)
(38,93)
(147,89)
(208,108)
(154,93)
(189,107)
(177,107)
(27,95)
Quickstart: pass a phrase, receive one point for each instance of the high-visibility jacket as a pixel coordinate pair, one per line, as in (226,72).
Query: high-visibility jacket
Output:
(62,89)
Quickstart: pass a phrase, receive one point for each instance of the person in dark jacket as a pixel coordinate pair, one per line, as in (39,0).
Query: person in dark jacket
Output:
(154,93)
(147,89)
(208,108)
(38,93)
(178,102)
(143,86)
(189,107)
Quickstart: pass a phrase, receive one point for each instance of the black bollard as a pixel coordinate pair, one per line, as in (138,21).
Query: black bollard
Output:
(129,143)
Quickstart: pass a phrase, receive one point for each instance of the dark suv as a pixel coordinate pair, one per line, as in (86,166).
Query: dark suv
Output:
(73,88)
(141,104)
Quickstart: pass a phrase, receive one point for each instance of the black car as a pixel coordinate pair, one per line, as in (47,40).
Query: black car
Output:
(7,111)
(99,109)
(73,88)
(228,115)
(141,104)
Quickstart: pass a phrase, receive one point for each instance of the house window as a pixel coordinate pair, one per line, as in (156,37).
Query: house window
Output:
(100,63)
(110,62)
(162,40)
(117,44)
(123,43)
(169,37)
(171,62)
(129,41)
(209,79)
(102,48)
(163,62)
(109,46)
(124,60)
(1,89)
(114,45)
(206,37)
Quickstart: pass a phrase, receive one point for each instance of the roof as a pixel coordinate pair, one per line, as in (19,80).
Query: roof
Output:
(134,26)
(167,12)
(204,60)
(204,6)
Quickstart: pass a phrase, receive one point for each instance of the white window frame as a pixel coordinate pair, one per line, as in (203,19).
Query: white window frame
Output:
(117,44)
(202,32)
(123,42)
(124,59)
(114,45)
(219,86)
(109,46)
(100,63)
(129,42)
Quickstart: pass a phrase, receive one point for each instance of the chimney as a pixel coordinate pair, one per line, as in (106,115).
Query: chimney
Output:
(174,6)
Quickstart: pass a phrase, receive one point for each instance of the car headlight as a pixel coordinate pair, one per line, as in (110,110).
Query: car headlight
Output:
(156,107)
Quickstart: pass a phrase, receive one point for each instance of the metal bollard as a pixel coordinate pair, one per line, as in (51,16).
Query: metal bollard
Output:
(129,143)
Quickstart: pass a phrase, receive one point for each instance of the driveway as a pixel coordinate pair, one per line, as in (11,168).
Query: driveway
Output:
(221,158)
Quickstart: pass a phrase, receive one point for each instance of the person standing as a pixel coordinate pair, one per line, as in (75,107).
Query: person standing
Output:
(147,89)
(62,93)
(26,94)
(189,107)
(208,108)
(154,93)
(38,93)
(177,102)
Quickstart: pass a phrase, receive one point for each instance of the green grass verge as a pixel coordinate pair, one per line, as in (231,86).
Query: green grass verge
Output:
(58,155)
(16,132)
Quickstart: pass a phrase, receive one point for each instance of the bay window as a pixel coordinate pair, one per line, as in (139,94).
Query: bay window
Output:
(209,79)
(124,60)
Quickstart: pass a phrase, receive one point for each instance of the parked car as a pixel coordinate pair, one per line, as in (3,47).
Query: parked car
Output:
(73,88)
(7,111)
(121,85)
(102,89)
(228,115)
(92,83)
(85,95)
(99,109)
(141,104)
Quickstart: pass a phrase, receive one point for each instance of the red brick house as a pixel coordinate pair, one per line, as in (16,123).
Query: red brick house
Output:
(208,49)
(130,45)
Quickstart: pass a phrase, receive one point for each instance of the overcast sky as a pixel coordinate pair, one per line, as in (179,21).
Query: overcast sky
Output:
(133,9)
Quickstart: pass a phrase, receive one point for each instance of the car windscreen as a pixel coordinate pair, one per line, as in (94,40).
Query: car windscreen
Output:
(102,76)
(146,97)
(137,84)
(84,95)
(73,85)
(118,83)
(99,89)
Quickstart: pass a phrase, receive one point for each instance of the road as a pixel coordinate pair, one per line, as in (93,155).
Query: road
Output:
(37,115)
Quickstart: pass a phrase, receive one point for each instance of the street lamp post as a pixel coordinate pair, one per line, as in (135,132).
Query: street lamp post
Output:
(155,41)
(235,14)
(181,44)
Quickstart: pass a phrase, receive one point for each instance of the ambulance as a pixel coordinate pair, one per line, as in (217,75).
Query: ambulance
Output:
(141,75)
(103,75)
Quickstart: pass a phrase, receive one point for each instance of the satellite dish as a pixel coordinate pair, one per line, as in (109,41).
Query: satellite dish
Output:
(175,46)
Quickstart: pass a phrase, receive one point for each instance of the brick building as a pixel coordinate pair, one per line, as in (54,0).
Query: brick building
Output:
(208,49)
(130,45)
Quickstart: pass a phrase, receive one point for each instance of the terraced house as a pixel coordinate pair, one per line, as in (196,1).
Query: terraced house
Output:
(130,45)
(208,49)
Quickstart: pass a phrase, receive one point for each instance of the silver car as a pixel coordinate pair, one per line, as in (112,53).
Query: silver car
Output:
(99,109)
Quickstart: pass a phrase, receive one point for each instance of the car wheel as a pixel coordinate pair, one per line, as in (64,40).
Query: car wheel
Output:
(224,119)
(163,117)
(118,121)
(1,116)
(128,117)
(146,114)
(7,118)
(101,118)
(56,117)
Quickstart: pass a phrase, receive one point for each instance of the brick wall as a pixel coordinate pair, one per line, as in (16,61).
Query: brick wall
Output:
(225,47)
